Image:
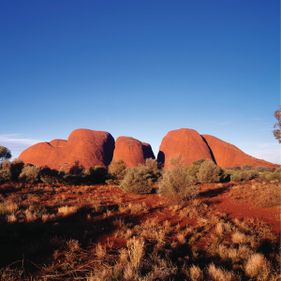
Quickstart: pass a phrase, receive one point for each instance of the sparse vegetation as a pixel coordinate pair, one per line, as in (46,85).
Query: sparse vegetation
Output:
(30,174)
(116,171)
(178,185)
(242,175)
(209,172)
(141,179)
(102,233)
(277,125)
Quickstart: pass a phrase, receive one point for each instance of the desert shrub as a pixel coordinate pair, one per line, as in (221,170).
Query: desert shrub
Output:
(5,171)
(49,176)
(209,172)
(271,175)
(153,169)
(116,171)
(10,171)
(97,174)
(242,175)
(178,185)
(264,169)
(141,179)
(16,168)
(194,168)
(29,174)
(76,169)
(75,175)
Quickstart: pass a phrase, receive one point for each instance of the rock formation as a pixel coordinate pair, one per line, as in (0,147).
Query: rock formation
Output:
(227,155)
(96,148)
(184,146)
(132,151)
(89,148)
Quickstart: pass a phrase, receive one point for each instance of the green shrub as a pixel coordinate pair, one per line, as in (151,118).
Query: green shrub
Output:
(29,174)
(95,175)
(16,168)
(209,172)
(271,176)
(152,167)
(242,175)
(49,176)
(5,171)
(76,169)
(116,171)
(141,179)
(178,185)
(75,175)
(194,168)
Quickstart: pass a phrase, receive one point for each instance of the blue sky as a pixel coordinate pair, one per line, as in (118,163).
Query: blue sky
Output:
(140,68)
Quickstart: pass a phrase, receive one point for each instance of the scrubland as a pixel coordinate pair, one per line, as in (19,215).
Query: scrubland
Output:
(140,224)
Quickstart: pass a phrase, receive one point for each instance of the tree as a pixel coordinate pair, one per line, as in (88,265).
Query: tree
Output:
(277,126)
(5,153)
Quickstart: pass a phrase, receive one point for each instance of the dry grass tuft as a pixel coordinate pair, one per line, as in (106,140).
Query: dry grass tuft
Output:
(100,251)
(239,237)
(219,274)
(195,273)
(257,265)
(8,207)
(67,210)
(135,252)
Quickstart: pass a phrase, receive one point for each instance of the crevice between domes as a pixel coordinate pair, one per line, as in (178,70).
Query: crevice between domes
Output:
(210,150)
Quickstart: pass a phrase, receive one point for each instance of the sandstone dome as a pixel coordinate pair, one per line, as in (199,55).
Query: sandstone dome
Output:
(88,147)
(227,155)
(183,145)
(131,151)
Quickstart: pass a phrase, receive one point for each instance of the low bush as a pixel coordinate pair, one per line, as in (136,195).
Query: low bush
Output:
(194,168)
(116,171)
(29,174)
(95,175)
(49,176)
(242,175)
(5,171)
(271,175)
(141,179)
(16,168)
(75,174)
(209,172)
(76,169)
(178,185)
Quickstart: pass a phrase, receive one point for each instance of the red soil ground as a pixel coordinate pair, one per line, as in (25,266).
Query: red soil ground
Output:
(221,200)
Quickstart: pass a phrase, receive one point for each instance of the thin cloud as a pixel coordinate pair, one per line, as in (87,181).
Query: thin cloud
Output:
(16,143)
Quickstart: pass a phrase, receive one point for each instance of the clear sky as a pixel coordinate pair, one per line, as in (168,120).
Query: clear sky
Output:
(140,68)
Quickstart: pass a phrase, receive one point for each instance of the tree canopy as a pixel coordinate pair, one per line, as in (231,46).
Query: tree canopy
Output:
(5,153)
(277,126)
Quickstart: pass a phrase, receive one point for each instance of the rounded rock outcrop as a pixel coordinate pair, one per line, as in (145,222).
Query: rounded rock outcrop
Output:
(184,146)
(87,147)
(131,151)
(228,155)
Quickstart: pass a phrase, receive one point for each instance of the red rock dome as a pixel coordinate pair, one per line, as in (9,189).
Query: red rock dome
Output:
(184,145)
(131,151)
(90,148)
(227,155)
